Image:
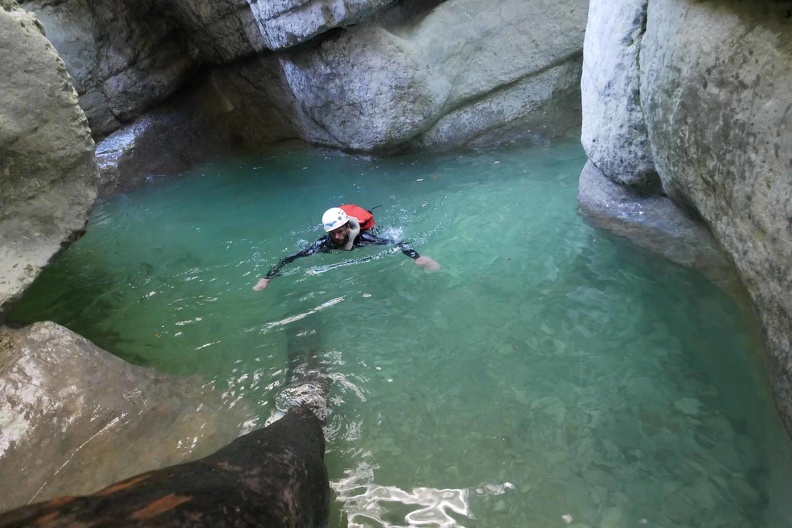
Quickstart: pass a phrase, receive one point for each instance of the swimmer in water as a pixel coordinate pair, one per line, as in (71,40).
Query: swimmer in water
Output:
(346,230)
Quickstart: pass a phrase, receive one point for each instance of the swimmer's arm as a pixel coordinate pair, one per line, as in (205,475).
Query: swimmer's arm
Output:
(424,262)
(273,271)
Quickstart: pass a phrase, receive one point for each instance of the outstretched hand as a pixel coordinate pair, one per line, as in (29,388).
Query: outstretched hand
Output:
(427,264)
(261,284)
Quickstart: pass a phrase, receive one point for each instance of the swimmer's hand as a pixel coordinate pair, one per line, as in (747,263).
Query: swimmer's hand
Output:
(261,284)
(427,264)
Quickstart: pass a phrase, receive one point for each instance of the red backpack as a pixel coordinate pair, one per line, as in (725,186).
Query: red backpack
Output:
(365,218)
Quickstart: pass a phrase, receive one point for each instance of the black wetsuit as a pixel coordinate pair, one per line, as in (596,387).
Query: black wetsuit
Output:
(326,245)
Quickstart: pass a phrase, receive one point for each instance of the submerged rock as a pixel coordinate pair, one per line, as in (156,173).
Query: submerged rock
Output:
(654,223)
(74,419)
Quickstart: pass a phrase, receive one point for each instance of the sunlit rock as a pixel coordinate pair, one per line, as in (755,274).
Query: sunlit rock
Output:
(440,78)
(74,418)
(285,23)
(721,129)
(47,168)
(614,133)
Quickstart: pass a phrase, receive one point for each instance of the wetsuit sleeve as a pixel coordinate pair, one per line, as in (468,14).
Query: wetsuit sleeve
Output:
(319,245)
(370,239)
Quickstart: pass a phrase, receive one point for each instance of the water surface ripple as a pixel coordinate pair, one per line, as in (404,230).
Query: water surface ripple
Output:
(548,375)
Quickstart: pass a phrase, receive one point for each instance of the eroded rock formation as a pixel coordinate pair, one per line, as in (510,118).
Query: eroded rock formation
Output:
(67,408)
(700,94)
(48,173)
(271,477)
(74,418)
(392,75)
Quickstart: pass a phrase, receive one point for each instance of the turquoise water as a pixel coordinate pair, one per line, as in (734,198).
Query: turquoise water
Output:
(547,375)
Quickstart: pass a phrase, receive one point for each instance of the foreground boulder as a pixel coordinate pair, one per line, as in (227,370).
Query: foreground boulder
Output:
(692,99)
(48,173)
(274,476)
(74,419)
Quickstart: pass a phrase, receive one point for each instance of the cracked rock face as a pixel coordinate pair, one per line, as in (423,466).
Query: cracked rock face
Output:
(74,418)
(48,174)
(614,133)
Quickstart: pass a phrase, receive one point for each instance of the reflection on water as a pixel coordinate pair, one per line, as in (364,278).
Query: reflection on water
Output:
(585,381)
(368,504)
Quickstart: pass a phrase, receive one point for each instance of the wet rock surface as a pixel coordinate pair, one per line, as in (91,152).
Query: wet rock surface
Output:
(132,155)
(653,222)
(74,418)
(274,476)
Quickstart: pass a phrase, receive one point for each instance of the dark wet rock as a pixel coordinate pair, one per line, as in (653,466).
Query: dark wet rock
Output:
(48,174)
(74,418)
(124,58)
(220,30)
(133,155)
(714,91)
(274,476)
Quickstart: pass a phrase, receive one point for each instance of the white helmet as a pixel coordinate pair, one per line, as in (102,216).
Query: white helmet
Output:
(334,218)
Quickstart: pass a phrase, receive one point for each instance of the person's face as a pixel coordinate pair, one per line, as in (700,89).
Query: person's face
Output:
(340,235)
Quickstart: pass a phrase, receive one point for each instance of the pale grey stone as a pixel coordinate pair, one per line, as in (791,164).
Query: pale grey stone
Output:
(123,58)
(714,94)
(47,170)
(652,222)
(716,89)
(74,418)
(285,23)
(613,131)
(462,70)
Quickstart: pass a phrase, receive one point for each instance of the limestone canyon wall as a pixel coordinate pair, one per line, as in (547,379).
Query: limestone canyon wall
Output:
(47,166)
(73,418)
(690,102)
(365,75)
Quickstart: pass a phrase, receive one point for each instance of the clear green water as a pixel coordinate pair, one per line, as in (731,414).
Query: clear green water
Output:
(548,375)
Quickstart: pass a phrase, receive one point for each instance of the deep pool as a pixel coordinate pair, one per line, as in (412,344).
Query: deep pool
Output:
(548,375)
